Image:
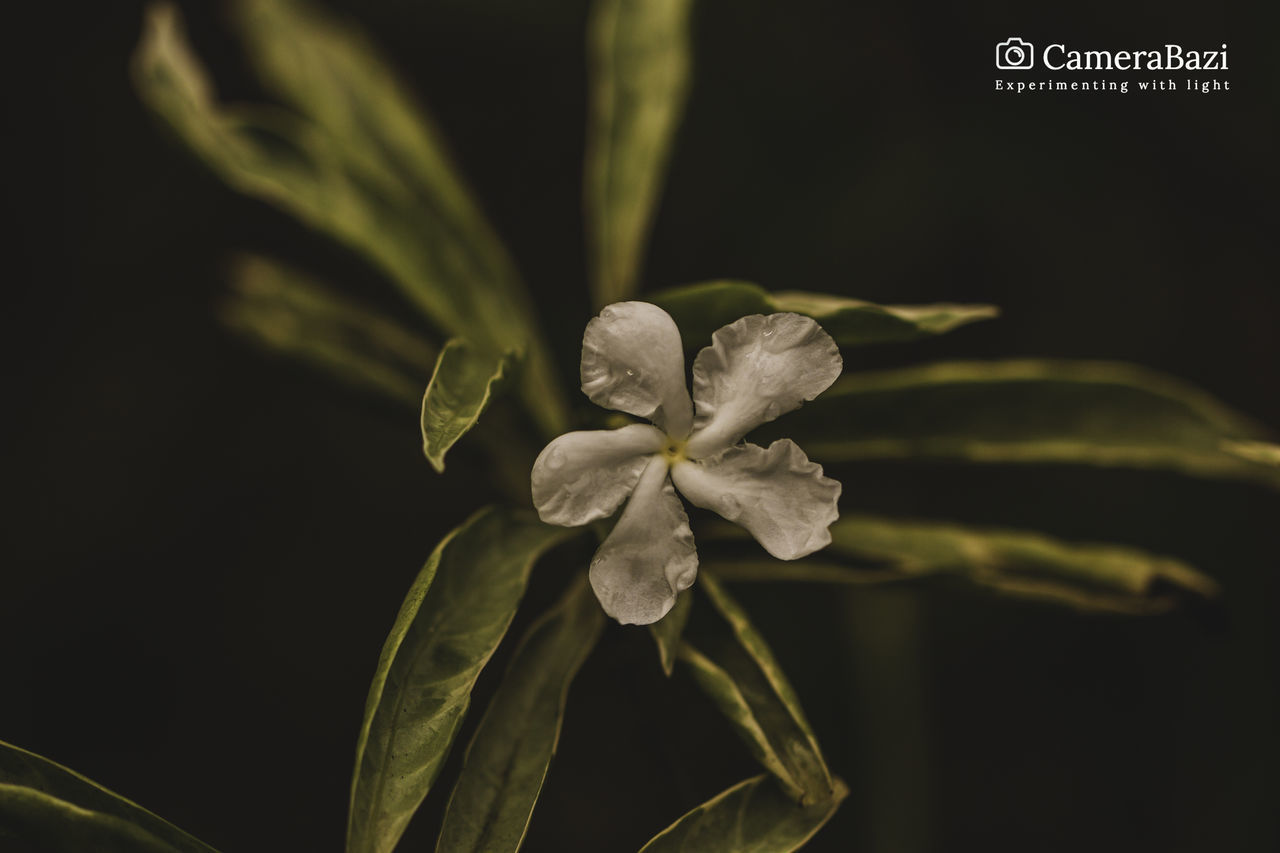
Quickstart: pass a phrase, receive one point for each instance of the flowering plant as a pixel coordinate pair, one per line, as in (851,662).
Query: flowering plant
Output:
(350,154)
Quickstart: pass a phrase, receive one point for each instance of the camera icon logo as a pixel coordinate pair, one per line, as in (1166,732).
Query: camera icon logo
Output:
(1014,54)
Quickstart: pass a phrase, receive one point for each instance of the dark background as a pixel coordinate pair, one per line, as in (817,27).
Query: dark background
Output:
(207,546)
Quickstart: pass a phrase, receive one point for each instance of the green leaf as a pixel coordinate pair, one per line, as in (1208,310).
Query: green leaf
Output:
(511,752)
(279,157)
(701,309)
(331,74)
(56,825)
(1089,576)
(354,160)
(639,61)
(464,379)
(453,618)
(667,630)
(1082,412)
(290,312)
(751,817)
(42,801)
(742,677)
(812,772)
(750,714)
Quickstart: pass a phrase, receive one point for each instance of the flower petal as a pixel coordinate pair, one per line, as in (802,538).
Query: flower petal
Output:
(649,557)
(777,494)
(756,369)
(582,476)
(633,361)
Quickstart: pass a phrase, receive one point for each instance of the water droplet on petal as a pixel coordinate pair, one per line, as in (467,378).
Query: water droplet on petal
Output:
(768,327)
(730,507)
(555,459)
(771,411)
(630,372)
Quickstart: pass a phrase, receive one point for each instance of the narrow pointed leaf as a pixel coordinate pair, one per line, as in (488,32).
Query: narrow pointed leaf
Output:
(811,769)
(43,802)
(465,378)
(753,816)
(756,717)
(1087,576)
(639,63)
(1033,411)
(701,309)
(288,311)
(508,759)
(667,630)
(453,618)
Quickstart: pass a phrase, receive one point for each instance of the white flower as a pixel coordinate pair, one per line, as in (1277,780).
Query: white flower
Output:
(756,368)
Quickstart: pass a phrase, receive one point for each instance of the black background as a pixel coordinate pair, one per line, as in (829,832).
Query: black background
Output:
(206,546)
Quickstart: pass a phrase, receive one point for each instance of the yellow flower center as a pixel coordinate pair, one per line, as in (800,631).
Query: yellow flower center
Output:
(673,452)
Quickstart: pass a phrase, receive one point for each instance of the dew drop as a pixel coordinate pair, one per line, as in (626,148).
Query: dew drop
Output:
(555,459)
(771,411)
(630,372)
(768,328)
(730,507)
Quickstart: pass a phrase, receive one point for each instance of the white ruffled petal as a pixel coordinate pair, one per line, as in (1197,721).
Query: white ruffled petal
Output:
(633,361)
(777,494)
(582,476)
(649,557)
(757,368)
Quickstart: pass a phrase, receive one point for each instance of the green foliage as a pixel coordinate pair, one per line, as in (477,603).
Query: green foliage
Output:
(701,309)
(753,816)
(1083,412)
(290,312)
(639,60)
(42,802)
(355,159)
(1031,565)
(667,630)
(745,680)
(452,620)
(509,756)
(348,152)
(464,379)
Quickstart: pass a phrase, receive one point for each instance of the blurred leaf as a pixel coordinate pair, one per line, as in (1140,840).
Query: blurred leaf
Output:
(60,827)
(751,817)
(43,802)
(383,188)
(453,618)
(280,158)
(459,390)
(701,309)
(1087,576)
(332,74)
(288,311)
(639,61)
(1083,412)
(509,756)
(667,630)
